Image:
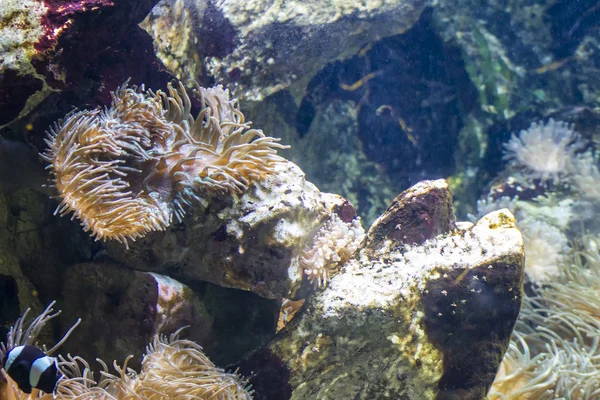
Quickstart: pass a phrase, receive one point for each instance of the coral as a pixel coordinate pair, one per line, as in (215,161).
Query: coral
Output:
(331,247)
(127,170)
(544,151)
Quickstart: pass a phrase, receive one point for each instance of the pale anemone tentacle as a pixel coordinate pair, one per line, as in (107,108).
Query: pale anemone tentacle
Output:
(16,336)
(128,169)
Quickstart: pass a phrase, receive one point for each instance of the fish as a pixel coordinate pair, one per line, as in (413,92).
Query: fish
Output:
(31,368)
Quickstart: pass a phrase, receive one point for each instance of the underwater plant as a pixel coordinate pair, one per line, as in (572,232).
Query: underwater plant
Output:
(127,170)
(544,151)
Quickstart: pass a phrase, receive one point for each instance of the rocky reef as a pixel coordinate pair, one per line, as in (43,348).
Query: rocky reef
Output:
(417,307)
(424,309)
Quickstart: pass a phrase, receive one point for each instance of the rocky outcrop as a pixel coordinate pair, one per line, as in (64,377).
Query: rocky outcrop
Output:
(250,242)
(429,320)
(121,310)
(262,47)
(16,290)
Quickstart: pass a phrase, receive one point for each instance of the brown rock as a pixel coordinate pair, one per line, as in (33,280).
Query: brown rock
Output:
(428,321)
(121,310)
(417,214)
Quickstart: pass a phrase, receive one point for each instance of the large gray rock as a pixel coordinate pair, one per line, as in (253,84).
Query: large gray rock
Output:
(261,47)
(425,321)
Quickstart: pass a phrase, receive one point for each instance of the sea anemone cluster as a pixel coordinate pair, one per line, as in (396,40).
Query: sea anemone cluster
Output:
(333,245)
(555,349)
(545,248)
(551,184)
(544,151)
(172,369)
(126,170)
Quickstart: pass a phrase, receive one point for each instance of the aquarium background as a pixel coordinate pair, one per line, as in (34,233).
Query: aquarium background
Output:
(494,104)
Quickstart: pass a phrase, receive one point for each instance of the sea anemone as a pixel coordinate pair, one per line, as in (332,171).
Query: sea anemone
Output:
(331,247)
(525,376)
(545,248)
(172,369)
(127,170)
(16,336)
(555,348)
(544,151)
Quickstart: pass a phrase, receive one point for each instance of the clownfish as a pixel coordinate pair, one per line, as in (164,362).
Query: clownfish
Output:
(31,368)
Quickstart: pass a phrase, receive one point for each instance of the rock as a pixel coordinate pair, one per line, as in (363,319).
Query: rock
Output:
(248,242)
(121,310)
(261,47)
(331,154)
(417,214)
(426,321)
(17,293)
(85,47)
(44,244)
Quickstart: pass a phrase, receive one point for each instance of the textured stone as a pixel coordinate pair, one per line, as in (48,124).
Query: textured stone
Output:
(121,310)
(261,47)
(54,46)
(250,242)
(417,214)
(17,293)
(428,321)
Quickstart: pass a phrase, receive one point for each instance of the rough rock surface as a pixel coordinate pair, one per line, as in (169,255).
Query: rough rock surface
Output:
(249,242)
(16,291)
(121,310)
(417,214)
(429,321)
(261,47)
(86,47)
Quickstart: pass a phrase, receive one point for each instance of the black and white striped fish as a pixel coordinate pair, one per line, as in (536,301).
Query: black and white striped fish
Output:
(31,368)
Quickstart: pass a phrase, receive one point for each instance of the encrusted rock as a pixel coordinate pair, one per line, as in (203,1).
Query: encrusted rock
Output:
(121,310)
(261,47)
(427,321)
(72,45)
(417,214)
(249,242)
(16,291)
